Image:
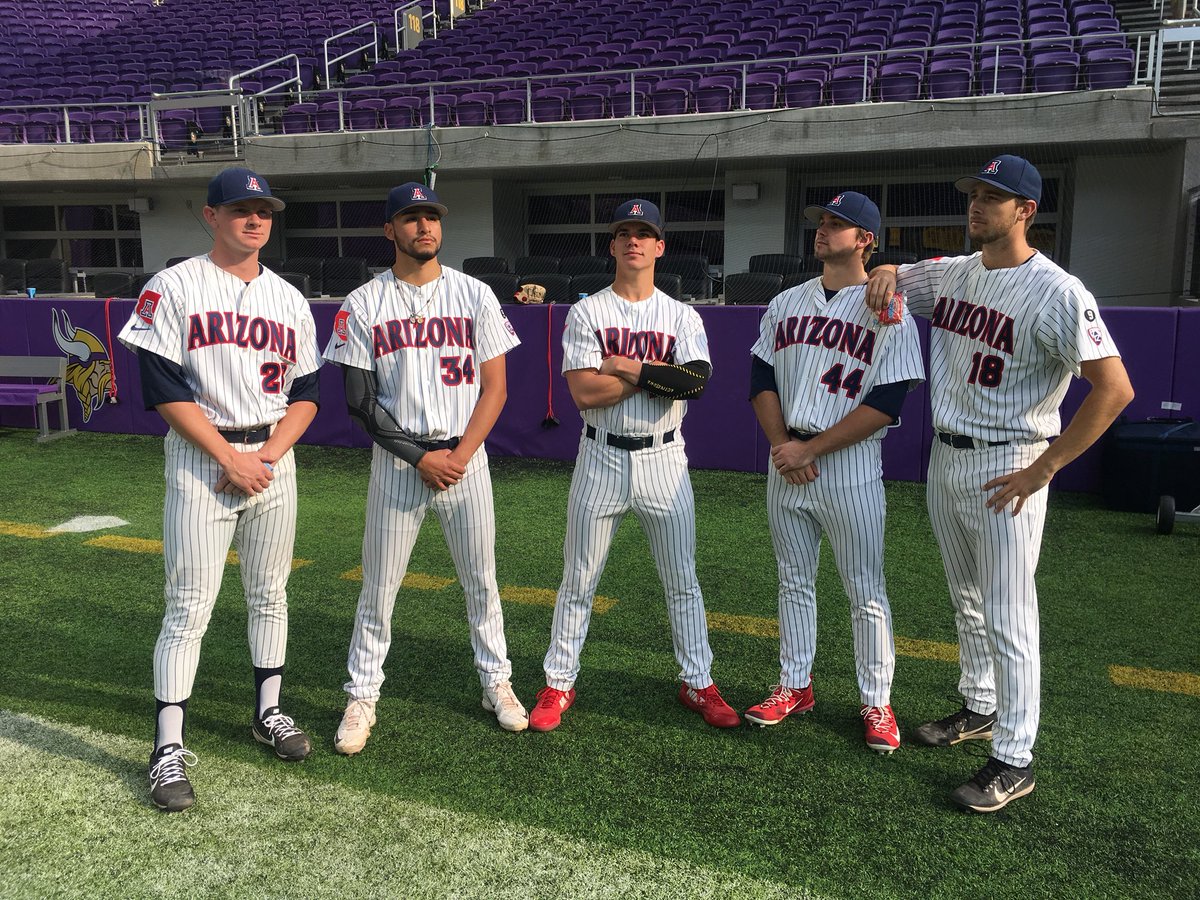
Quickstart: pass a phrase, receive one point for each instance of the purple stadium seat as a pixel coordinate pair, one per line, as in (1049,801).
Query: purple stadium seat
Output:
(298,118)
(715,94)
(401,112)
(43,128)
(509,108)
(176,128)
(475,108)
(550,104)
(900,82)
(328,116)
(670,100)
(1110,68)
(1005,75)
(1054,72)
(81,126)
(846,84)
(948,78)
(762,91)
(590,102)
(12,128)
(366,115)
(803,88)
(109,127)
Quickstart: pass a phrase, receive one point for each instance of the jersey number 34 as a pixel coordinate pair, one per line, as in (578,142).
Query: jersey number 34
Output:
(457,369)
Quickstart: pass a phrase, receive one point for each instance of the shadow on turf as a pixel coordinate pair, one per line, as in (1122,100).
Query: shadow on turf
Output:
(58,742)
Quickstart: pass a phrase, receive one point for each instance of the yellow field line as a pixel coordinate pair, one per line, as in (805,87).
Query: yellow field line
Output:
(937,650)
(1154,680)
(418,581)
(760,626)
(146,545)
(16,529)
(546,597)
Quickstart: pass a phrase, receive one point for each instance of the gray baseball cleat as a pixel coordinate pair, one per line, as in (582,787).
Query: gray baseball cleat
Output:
(994,786)
(169,786)
(963,725)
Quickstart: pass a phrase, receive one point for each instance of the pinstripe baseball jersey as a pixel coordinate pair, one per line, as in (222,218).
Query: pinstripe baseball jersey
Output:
(829,354)
(240,344)
(425,344)
(1003,343)
(657,329)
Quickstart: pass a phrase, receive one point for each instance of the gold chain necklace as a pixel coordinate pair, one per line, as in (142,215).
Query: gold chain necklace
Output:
(416,318)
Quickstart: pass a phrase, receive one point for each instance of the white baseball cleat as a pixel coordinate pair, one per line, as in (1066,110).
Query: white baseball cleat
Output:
(501,700)
(356,725)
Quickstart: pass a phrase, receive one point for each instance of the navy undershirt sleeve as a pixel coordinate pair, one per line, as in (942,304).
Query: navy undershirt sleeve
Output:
(306,387)
(887,398)
(162,380)
(762,377)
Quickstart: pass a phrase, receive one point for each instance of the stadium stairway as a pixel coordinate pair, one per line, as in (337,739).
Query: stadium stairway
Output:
(1180,86)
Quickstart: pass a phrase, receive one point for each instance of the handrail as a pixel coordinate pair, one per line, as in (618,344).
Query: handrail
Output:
(397,30)
(251,126)
(374,45)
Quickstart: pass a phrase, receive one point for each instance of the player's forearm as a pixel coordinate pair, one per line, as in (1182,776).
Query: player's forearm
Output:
(857,425)
(493,394)
(290,428)
(1110,393)
(189,422)
(591,390)
(769,413)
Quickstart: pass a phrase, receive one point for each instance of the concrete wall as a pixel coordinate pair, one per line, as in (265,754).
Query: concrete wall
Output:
(467,230)
(754,226)
(1122,245)
(176,227)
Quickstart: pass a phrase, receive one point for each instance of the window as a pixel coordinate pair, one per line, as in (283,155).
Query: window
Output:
(336,228)
(100,236)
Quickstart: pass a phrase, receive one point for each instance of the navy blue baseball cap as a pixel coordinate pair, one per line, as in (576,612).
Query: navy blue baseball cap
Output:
(857,209)
(410,194)
(237,184)
(1009,173)
(637,210)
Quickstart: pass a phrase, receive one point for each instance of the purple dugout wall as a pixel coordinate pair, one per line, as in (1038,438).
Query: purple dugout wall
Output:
(1157,345)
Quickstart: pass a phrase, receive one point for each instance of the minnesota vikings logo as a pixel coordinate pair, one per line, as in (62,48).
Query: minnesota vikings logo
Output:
(89,365)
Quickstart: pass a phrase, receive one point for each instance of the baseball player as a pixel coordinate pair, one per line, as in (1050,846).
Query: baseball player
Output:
(227,354)
(827,380)
(422,349)
(631,355)
(1008,330)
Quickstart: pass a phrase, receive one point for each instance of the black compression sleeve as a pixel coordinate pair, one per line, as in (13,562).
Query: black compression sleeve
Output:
(762,377)
(887,398)
(163,381)
(363,404)
(306,387)
(675,382)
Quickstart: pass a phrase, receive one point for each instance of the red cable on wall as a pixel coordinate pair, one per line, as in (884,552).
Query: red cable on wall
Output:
(112,357)
(550,419)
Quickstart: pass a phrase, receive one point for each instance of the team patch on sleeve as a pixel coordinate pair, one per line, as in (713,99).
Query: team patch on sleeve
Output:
(147,304)
(1096,335)
(341,324)
(507,324)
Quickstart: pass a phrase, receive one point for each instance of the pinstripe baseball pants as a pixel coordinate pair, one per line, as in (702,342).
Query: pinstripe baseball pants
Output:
(847,503)
(606,484)
(990,563)
(199,525)
(397,501)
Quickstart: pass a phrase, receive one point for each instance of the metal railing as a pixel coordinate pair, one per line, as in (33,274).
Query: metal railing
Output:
(373,45)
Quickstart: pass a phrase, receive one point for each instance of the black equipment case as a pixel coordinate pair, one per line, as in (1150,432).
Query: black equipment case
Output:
(1145,460)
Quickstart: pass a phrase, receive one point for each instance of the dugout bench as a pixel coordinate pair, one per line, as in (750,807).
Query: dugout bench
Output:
(39,396)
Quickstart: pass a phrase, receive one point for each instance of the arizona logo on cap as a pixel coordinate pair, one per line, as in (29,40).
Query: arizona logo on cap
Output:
(636,210)
(992,168)
(252,184)
(837,201)
(418,194)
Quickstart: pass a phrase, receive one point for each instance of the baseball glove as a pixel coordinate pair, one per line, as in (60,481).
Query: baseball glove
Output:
(531,293)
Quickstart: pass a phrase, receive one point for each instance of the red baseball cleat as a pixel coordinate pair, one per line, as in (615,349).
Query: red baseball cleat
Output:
(551,704)
(782,703)
(882,732)
(710,704)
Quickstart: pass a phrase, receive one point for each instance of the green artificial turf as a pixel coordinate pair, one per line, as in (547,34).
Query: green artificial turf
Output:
(633,795)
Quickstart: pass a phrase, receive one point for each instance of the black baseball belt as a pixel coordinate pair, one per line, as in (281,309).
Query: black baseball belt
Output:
(255,435)
(801,435)
(962,442)
(622,442)
(448,444)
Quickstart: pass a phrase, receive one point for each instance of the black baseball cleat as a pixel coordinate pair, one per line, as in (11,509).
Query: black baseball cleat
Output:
(279,731)
(169,786)
(963,725)
(994,786)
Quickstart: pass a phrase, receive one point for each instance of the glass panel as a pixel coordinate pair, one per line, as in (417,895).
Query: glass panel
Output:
(928,240)
(559,245)
(362,213)
(710,244)
(45,248)
(87,218)
(694,206)
(568,209)
(312,215)
(29,218)
(377,251)
(127,219)
(311,246)
(606,204)
(93,252)
(131,253)
(1049,202)
(938,198)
